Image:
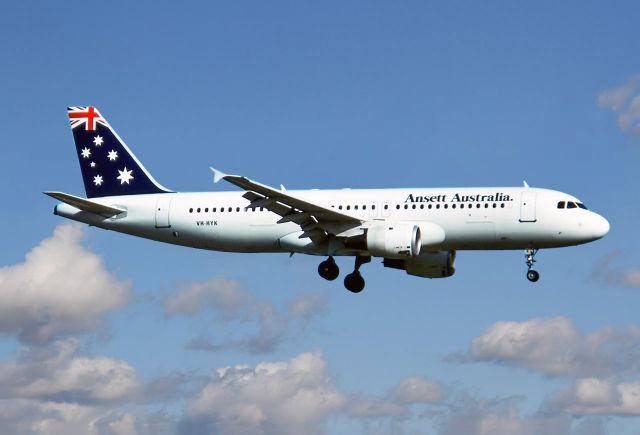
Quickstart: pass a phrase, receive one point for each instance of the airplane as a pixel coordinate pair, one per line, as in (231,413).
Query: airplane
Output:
(418,230)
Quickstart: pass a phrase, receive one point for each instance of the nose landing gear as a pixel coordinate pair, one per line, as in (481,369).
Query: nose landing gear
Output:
(529,254)
(354,282)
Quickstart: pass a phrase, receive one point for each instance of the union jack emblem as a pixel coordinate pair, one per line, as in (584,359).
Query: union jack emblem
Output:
(88,116)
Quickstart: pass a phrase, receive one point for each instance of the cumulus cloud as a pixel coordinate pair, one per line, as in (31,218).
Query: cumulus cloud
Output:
(57,373)
(625,101)
(555,347)
(472,416)
(60,288)
(296,396)
(607,272)
(417,389)
(593,396)
(231,303)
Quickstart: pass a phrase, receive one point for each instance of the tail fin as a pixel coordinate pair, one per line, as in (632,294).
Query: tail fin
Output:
(108,167)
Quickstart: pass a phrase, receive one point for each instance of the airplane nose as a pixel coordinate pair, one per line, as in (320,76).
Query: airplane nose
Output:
(599,226)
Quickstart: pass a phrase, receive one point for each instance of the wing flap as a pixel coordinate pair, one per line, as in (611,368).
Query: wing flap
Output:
(316,220)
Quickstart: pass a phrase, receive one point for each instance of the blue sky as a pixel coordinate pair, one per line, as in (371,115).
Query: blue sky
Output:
(320,95)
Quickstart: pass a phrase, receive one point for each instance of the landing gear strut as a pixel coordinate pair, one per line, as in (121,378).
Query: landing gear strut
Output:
(354,282)
(529,255)
(328,269)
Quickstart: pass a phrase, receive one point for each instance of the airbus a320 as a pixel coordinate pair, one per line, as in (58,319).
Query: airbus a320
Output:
(418,230)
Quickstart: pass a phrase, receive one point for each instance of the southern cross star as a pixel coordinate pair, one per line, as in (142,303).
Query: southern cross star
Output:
(125,176)
(98,140)
(86,153)
(97,180)
(113,155)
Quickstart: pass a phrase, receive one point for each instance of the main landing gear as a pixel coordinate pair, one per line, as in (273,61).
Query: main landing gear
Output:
(328,269)
(354,282)
(529,254)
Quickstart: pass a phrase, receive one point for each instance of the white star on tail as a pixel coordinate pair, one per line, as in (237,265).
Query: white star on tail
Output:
(86,153)
(125,176)
(113,155)
(97,180)
(93,164)
(98,141)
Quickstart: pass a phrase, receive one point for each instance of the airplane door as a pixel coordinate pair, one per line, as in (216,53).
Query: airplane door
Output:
(163,204)
(528,206)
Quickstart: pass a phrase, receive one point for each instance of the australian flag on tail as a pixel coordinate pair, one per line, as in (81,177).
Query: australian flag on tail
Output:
(108,167)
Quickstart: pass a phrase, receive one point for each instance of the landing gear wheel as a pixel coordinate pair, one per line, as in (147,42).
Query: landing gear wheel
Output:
(354,282)
(533,275)
(328,269)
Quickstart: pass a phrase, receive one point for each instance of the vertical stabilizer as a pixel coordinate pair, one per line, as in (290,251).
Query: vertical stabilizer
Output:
(108,166)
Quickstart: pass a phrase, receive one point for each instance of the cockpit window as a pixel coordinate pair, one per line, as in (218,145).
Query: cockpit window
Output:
(582,206)
(571,204)
(561,204)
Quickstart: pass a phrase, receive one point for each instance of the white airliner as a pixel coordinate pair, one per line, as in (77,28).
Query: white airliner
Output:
(417,230)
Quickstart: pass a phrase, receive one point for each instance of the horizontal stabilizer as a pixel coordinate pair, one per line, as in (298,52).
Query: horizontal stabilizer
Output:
(86,204)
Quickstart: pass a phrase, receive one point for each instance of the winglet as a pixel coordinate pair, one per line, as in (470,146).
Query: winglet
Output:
(217,175)
(525,184)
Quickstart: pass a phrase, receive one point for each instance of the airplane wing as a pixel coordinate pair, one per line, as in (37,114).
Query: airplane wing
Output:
(316,221)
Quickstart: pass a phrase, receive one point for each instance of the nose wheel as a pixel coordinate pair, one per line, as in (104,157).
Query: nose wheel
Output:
(354,282)
(529,254)
(328,269)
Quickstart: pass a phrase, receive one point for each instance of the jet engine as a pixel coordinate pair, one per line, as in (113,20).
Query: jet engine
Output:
(389,240)
(439,264)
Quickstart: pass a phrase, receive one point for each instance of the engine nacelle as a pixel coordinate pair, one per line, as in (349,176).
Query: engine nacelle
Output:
(389,240)
(438,264)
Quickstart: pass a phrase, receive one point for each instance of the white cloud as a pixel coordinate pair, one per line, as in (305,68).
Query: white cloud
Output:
(296,396)
(592,396)
(625,101)
(58,374)
(417,389)
(60,288)
(554,347)
(231,303)
(470,416)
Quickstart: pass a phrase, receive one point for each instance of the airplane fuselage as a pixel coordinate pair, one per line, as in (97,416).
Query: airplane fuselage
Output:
(472,218)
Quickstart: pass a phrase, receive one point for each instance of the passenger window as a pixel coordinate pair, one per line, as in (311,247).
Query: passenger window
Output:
(571,205)
(461,205)
(198,210)
(561,204)
(502,205)
(421,206)
(453,206)
(206,210)
(495,205)
(413,206)
(190,210)
(486,206)
(446,206)
(398,207)
(355,207)
(348,207)
(430,206)
(406,206)
(437,205)
(478,205)
(364,207)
